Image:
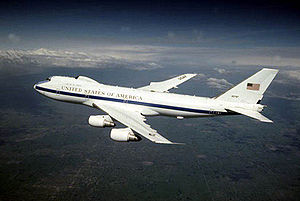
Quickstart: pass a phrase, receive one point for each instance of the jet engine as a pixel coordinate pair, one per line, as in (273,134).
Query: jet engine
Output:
(101,121)
(123,135)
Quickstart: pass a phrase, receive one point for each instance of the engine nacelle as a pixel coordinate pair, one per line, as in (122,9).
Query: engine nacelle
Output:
(123,135)
(101,121)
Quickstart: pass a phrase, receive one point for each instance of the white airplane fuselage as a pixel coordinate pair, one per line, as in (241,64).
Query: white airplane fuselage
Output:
(85,91)
(130,106)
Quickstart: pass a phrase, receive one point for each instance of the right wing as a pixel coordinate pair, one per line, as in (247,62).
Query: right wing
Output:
(164,86)
(134,120)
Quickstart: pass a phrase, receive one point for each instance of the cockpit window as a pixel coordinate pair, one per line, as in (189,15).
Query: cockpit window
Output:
(44,81)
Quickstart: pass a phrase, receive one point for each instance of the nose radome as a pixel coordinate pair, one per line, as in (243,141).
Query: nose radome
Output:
(34,86)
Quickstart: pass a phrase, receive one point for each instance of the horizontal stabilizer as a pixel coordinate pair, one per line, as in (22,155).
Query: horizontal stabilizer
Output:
(250,113)
(176,143)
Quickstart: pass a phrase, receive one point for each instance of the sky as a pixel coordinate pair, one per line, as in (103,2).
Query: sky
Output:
(257,33)
(49,150)
(78,24)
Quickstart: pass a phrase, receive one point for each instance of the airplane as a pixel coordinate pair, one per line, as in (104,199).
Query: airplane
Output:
(131,106)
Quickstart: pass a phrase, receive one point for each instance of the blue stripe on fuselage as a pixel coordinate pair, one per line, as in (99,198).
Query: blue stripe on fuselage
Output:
(127,101)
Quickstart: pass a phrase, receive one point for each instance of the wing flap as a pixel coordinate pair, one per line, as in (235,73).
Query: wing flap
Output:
(250,113)
(166,85)
(133,120)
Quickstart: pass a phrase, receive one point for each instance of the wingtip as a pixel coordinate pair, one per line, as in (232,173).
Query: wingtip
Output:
(190,74)
(267,121)
(193,74)
(178,143)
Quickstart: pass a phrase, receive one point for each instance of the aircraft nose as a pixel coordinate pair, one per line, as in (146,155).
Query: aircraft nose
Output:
(35,86)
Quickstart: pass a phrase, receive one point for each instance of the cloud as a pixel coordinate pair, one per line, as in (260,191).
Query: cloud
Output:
(272,61)
(292,74)
(53,58)
(218,83)
(285,95)
(13,38)
(142,57)
(200,56)
(199,76)
(268,56)
(220,70)
(288,77)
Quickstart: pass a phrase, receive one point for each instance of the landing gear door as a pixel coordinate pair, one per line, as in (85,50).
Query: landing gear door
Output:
(57,92)
(86,96)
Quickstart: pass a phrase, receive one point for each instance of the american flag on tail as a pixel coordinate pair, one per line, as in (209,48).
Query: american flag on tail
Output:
(252,86)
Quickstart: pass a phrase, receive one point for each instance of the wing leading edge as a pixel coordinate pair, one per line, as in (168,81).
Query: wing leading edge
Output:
(133,120)
(166,85)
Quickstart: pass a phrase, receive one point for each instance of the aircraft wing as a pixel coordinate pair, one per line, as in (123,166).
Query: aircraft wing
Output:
(250,113)
(164,86)
(133,120)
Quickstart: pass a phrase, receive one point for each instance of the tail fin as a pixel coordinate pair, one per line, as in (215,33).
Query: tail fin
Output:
(252,89)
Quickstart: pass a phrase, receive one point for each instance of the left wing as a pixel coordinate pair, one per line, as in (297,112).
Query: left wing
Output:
(164,86)
(133,120)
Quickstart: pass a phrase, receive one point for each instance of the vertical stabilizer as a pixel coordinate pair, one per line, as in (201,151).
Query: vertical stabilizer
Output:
(252,89)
